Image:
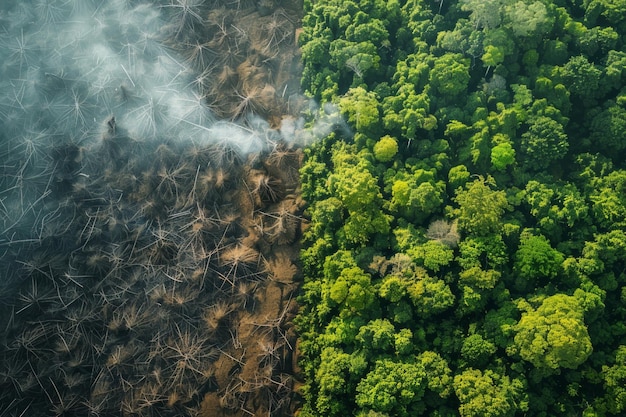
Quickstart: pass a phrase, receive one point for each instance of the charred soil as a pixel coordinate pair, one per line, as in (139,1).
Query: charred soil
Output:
(165,281)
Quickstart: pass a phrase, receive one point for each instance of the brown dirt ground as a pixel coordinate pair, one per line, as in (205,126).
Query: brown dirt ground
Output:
(266,74)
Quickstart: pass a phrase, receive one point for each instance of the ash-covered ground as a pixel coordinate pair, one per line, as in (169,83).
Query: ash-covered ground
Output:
(149,207)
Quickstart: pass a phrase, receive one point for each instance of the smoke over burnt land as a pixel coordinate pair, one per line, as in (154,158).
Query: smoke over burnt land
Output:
(149,208)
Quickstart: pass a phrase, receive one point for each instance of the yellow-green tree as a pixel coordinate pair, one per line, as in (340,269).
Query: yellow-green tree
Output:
(489,394)
(480,207)
(554,335)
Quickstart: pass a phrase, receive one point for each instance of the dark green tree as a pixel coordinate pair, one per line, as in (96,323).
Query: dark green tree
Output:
(608,130)
(614,378)
(543,143)
(581,77)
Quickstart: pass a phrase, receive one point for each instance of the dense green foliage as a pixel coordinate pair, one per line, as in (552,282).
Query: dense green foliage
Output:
(466,252)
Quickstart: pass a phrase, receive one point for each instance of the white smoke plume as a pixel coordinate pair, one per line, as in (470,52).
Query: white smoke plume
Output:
(77,72)
(68,66)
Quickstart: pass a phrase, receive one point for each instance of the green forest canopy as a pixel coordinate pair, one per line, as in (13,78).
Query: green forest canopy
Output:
(467,247)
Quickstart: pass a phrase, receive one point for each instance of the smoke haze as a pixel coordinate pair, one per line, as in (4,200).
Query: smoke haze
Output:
(149,207)
(82,73)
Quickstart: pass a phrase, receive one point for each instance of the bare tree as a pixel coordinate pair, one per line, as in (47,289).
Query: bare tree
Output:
(215,315)
(186,15)
(240,261)
(445,232)
(280,269)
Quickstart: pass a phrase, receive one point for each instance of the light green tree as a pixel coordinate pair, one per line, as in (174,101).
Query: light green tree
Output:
(493,56)
(557,208)
(432,255)
(353,184)
(484,14)
(438,372)
(536,259)
(386,148)
(361,225)
(607,196)
(480,207)
(502,155)
(403,342)
(396,388)
(554,335)
(331,377)
(430,295)
(337,375)
(378,334)
(464,39)
(488,252)
(475,284)
(476,350)
(450,74)
(416,196)
(489,394)
(478,278)
(529,19)
(353,290)
(362,109)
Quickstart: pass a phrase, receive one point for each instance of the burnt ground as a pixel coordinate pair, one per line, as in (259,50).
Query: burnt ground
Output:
(164,283)
(246,59)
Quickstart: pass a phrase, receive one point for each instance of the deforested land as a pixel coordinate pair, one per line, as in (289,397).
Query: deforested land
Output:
(150,208)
